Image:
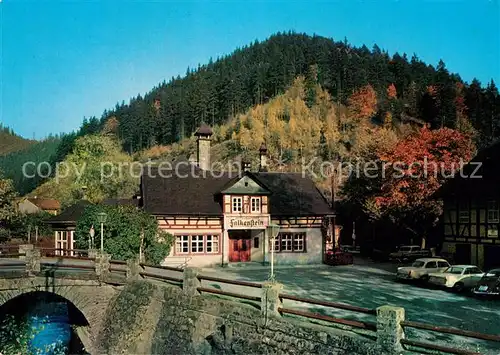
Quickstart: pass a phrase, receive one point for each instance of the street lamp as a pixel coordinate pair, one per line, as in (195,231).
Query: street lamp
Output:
(101,217)
(272,231)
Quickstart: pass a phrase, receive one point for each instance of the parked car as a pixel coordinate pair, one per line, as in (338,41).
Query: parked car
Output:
(350,249)
(338,257)
(457,277)
(409,253)
(489,285)
(421,268)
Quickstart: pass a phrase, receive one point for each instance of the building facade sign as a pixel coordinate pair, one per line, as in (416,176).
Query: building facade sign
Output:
(245,222)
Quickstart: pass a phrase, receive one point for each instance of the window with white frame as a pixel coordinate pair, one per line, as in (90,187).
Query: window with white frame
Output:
(62,241)
(299,241)
(290,242)
(255,204)
(237,204)
(182,244)
(286,242)
(277,244)
(493,215)
(197,244)
(463,213)
(212,243)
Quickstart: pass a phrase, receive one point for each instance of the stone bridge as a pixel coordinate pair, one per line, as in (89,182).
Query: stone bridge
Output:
(127,308)
(178,314)
(89,297)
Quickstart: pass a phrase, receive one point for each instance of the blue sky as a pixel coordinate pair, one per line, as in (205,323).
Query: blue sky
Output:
(62,61)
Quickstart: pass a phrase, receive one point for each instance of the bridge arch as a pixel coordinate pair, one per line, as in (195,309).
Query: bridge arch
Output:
(45,303)
(88,300)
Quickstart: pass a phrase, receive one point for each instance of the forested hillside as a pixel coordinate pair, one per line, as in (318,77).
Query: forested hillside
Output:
(36,153)
(11,142)
(301,125)
(355,84)
(252,75)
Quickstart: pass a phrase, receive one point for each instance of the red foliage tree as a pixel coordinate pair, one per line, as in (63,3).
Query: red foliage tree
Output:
(412,172)
(363,102)
(391,92)
(419,165)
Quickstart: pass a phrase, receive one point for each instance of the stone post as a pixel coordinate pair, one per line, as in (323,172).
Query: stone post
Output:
(133,269)
(389,329)
(102,265)
(93,253)
(270,300)
(33,257)
(23,248)
(191,282)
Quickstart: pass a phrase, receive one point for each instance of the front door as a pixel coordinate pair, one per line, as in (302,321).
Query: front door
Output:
(239,248)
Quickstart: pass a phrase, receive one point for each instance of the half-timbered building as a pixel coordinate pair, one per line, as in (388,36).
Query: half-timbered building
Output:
(471,218)
(219,218)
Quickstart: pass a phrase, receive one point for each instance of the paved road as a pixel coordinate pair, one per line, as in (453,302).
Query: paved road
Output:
(370,285)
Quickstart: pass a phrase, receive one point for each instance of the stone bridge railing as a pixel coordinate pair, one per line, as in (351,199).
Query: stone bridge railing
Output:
(388,325)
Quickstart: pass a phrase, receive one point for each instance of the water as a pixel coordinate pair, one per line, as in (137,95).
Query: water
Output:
(50,329)
(44,322)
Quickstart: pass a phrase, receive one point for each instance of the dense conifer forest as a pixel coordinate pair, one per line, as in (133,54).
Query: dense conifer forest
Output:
(217,91)
(361,83)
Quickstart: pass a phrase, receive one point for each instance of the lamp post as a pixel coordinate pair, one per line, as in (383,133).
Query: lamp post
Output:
(272,231)
(102,219)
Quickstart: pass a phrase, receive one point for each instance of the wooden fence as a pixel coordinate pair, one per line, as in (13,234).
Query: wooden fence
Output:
(102,265)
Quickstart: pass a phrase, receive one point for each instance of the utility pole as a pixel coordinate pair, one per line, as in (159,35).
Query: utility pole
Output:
(332,222)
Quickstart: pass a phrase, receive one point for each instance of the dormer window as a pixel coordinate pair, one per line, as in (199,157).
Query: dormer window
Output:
(237,204)
(255,204)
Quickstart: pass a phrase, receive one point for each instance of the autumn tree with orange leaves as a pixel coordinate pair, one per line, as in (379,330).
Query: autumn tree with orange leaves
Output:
(363,103)
(409,173)
(391,92)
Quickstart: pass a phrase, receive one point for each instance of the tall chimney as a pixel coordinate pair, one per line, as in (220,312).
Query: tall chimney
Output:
(263,157)
(204,136)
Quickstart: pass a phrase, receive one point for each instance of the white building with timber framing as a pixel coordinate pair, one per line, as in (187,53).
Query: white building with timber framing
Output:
(218,218)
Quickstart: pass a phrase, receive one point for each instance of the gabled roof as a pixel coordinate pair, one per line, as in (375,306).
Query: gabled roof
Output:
(479,178)
(246,184)
(189,192)
(174,194)
(45,203)
(71,214)
(204,130)
(294,195)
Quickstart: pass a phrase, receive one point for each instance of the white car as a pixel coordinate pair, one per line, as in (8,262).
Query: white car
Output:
(458,277)
(421,268)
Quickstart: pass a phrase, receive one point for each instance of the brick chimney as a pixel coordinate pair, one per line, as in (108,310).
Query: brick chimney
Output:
(204,137)
(245,165)
(263,157)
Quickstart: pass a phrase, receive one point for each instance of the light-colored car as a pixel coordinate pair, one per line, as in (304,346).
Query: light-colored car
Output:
(458,277)
(421,268)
